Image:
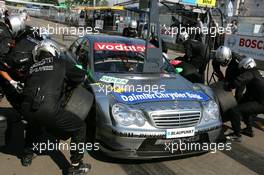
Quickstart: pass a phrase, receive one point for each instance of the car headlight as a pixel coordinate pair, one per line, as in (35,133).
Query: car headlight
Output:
(210,112)
(126,116)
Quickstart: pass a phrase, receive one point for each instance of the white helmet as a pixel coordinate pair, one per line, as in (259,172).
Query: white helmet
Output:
(16,24)
(223,55)
(247,63)
(23,16)
(183,36)
(48,46)
(133,24)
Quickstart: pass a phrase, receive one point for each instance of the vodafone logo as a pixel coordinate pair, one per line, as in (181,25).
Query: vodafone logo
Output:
(118,47)
(251,43)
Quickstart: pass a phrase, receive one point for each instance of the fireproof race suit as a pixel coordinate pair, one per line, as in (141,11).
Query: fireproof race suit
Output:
(43,98)
(18,59)
(252,102)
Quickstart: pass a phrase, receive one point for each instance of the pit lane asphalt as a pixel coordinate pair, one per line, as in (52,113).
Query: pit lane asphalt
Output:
(246,158)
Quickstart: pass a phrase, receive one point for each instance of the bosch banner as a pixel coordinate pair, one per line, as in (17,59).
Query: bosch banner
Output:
(246,45)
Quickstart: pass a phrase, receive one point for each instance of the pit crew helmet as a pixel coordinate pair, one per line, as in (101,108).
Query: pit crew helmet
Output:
(247,63)
(223,55)
(16,24)
(48,46)
(133,24)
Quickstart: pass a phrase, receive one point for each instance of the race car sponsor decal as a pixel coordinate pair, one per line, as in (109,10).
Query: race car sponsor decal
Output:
(118,47)
(168,95)
(108,79)
(180,132)
(206,3)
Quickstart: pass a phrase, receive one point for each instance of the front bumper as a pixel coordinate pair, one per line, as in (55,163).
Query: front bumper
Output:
(147,146)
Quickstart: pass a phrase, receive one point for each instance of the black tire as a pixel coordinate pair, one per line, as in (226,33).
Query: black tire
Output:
(226,99)
(3,128)
(91,126)
(80,102)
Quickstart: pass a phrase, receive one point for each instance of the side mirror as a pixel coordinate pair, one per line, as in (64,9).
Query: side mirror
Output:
(88,71)
(79,66)
(178,70)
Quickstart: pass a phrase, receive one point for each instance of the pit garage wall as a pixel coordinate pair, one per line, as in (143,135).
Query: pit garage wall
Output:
(246,24)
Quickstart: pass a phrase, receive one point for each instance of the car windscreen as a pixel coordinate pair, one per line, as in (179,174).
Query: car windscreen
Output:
(119,58)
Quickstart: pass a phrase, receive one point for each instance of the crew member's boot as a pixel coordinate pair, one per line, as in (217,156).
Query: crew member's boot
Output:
(248,132)
(27,157)
(79,169)
(234,137)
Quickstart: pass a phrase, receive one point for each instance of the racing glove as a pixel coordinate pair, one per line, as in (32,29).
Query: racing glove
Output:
(17,85)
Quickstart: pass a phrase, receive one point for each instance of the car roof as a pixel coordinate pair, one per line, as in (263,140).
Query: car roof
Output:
(114,39)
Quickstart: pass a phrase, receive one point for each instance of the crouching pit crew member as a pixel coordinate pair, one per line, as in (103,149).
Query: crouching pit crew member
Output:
(223,56)
(194,60)
(226,58)
(252,102)
(131,30)
(42,105)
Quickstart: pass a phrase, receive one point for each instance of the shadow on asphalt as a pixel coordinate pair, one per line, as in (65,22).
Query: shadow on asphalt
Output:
(245,156)
(141,167)
(15,140)
(100,156)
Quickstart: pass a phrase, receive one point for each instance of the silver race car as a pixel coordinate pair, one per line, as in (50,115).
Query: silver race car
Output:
(143,115)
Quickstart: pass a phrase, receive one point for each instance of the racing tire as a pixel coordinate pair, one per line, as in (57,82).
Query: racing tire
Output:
(226,98)
(80,102)
(3,128)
